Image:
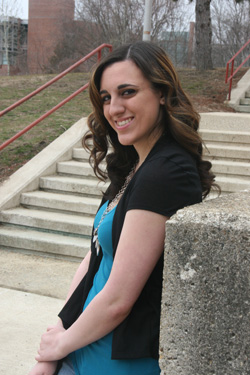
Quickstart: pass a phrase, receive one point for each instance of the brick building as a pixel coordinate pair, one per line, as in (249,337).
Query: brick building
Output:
(46,20)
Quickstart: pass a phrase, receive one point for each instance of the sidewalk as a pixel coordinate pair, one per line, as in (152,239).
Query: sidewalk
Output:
(32,291)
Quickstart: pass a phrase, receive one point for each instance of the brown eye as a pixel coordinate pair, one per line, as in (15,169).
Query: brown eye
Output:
(105,98)
(128,92)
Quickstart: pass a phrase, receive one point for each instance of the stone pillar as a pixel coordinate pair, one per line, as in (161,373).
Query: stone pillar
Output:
(205,325)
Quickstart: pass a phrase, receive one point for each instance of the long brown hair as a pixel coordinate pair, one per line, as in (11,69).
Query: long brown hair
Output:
(178,117)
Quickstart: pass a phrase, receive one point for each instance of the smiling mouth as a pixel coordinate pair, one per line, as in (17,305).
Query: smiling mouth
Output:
(124,122)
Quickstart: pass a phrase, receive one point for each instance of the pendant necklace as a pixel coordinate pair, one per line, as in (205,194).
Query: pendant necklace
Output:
(110,206)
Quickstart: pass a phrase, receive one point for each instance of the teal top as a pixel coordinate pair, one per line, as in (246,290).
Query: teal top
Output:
(95,359)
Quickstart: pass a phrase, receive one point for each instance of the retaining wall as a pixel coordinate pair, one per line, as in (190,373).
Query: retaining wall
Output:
(205,325)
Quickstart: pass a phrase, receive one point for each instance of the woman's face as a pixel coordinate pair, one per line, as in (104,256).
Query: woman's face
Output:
(131,106)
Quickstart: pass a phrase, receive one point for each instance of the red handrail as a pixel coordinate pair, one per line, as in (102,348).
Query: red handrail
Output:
(232,68)
(98,50)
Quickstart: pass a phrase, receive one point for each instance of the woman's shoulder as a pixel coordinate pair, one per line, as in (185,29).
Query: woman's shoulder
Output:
(165,160)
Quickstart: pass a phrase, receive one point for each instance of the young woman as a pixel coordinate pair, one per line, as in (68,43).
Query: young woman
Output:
(110,322)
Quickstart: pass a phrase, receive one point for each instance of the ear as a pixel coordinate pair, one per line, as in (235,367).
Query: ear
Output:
(162,99)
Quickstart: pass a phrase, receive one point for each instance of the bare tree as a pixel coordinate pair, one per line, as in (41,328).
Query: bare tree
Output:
(112,21)
(117,21)
(121,21)
(175,37)
(9,26)
(203,34)
(231,29)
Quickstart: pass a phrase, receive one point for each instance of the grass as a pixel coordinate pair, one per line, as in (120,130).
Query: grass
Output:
(207,90)
(32,142)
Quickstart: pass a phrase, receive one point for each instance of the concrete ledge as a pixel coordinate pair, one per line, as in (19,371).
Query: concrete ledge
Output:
(206,289)
(27,178)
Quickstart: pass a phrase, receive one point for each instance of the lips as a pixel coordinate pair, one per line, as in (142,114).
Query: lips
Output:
(123,123)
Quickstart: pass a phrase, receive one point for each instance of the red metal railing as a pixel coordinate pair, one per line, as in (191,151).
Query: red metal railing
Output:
(231,61)
(97,51)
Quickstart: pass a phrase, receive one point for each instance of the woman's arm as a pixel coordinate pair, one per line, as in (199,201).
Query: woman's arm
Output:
(140,247)
(42,368)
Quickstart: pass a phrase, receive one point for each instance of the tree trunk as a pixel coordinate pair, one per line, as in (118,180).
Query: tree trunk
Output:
(203,32)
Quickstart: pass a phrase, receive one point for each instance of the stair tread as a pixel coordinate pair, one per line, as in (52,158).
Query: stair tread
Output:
(76,204)
(41,236)
(74,164)
(230,163)
(233,180)
(73,180)
(226,147)
(61,197)
(225,132)
(48,215)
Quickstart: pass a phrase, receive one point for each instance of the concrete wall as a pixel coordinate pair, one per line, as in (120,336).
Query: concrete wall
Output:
(205,327)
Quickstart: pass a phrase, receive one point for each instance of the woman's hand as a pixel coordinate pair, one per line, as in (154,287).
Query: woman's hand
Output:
(52,346)
(44,368)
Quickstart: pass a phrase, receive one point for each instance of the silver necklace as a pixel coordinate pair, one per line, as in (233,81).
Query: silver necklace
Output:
(110,206)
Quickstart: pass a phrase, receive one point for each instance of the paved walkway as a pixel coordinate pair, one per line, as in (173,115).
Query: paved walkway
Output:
(32,292)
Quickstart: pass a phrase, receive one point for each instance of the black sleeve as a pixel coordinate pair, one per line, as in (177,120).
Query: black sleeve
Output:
(165,186)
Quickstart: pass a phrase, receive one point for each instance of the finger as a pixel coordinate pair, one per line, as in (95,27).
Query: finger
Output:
(50,328)
(38,358)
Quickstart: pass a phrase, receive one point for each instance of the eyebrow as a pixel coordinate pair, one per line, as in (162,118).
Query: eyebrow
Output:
(124,85)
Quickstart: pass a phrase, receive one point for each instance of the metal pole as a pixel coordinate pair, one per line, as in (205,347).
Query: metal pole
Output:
(147,20)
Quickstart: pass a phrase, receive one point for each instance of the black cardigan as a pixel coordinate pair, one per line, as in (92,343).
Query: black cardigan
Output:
(167,181)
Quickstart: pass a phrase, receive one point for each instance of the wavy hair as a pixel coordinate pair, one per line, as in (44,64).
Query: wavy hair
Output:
(178,117)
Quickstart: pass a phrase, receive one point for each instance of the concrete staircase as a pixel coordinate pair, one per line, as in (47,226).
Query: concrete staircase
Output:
(53,214)
(244,103)
(56,219)
(227,143)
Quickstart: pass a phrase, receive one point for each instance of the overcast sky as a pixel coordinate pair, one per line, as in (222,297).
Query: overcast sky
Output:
(24,11)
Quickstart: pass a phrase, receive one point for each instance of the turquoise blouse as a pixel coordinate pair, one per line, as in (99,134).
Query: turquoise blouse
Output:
(95,359)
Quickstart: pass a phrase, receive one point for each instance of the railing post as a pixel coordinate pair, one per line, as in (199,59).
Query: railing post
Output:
(231,80)
(99,55)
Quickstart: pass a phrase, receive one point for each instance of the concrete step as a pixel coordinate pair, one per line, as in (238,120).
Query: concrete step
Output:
(60,202)
(77,168)
(247,95)
(242,108)
(41,243)
(245,101)
(231,168)
(73,167)
(241,153)
(231,185)
(80,153)
(87,187)
(48,221)
(226,137)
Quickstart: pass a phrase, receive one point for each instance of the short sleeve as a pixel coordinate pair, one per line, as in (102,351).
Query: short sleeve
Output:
(164,186)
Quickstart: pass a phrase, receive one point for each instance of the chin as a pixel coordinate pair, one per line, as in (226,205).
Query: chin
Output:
(125,142)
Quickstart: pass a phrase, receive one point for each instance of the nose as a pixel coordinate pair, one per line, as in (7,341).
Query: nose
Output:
(116,106)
